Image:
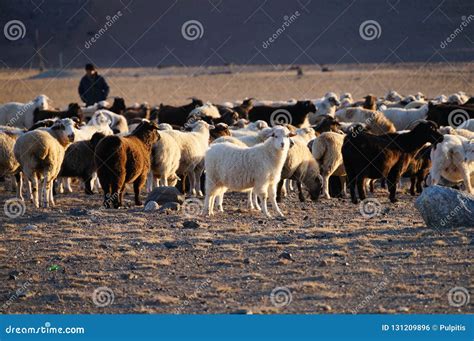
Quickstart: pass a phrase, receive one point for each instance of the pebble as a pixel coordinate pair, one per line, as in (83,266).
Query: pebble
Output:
(191,224)
(151,206)
(29,228)
(243,312)
(171,206)
(286,255)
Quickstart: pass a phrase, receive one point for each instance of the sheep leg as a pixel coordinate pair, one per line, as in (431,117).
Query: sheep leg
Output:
(413,181)
(220,200)
(115,196)
(67,186)
(209,201)
(279,189)
(361,187)
(197,176)
(300,191)
(344,186)
(419,181)
(192,183)
(290,185)
(352,188)
(88,183)
(45,190)
(137,185)
(326,187)
(150,181)
(392,179)
(383,183)
(272,195)
(34,190)
(283,190)
(249,200)
(255,200)
(51,196)
(263,196)
(466,177)
(60,187)
(371,185)
(19,186)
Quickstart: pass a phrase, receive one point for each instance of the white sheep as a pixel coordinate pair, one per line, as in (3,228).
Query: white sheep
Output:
(230,167)
(21,114)
(458,98)
(193,146)
(250,140)
(467,125)
(252,199)
(40,154)
(9,165)
(117,123)
(458,131)
(207,110)
(375,121)
(327,151)
(326,105)
(402,118)
(393,96)
(91,109)
(165,159)
(453,159)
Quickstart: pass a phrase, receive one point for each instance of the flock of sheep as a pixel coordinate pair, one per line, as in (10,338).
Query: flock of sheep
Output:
(262,148)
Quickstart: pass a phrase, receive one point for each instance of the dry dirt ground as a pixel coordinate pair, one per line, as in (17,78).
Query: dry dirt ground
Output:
(341,261)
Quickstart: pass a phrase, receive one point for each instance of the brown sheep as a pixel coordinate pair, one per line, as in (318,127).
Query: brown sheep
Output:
(125,159)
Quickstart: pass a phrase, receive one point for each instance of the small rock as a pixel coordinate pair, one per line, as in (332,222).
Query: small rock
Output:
(151,206)
(247,261)
(78,212)
(29,228)
(171,206)
(260,222)
(191,224)
(286,255)
(243,312)
(165,194)
(305,217)
(324,307)
(403,309)
(323,263)
(170,245)
(13,275)
(128,276)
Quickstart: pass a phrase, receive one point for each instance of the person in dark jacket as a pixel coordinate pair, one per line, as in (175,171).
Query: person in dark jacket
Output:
(93,88)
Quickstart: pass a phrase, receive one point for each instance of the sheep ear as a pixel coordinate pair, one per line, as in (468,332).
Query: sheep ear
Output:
(291,134)
(211,127)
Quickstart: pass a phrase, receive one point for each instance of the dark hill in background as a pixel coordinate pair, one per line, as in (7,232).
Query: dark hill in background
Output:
(149,32)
